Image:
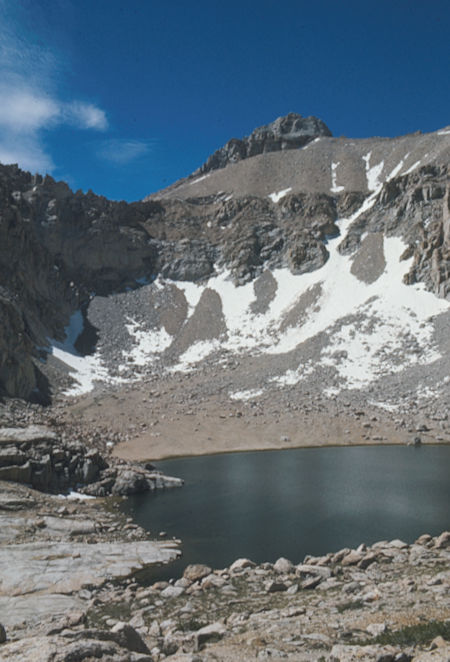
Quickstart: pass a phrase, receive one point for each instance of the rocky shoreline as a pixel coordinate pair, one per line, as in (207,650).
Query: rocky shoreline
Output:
(70,591)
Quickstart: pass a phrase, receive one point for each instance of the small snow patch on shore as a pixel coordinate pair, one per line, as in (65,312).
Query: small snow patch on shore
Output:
(76,495)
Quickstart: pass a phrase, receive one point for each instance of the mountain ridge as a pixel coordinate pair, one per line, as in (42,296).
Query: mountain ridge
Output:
(64,253)
(323,164)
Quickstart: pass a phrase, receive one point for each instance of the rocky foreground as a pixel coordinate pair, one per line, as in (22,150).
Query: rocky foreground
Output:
(75,575)
(73,589)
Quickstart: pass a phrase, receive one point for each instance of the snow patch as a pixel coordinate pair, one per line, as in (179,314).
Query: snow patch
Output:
(424,392)
(331,392)
(250,394)
(192,292)
(146,343)
(372,173)
(393,319)
(199,179)
(384,405)
(396,170)
(275,197)
(334,187)
(85,370)
(444,132)
(76,495)
(393,323)
(292,377)
(413,167)
(195,353)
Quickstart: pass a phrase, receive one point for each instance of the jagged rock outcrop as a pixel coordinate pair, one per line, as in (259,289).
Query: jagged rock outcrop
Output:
(289,132)
(56,248)
(38,457)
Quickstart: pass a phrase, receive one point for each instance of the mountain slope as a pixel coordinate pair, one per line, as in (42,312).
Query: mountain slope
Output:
(325,165)
(324,268)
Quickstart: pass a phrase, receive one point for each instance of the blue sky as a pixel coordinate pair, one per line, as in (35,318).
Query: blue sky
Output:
(126,97)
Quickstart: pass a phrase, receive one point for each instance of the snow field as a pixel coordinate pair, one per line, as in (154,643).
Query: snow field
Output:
(374,328)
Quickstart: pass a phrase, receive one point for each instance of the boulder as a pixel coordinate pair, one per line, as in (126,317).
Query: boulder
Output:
(274,587)
(367,560)
(89,471)
(443,541)
(283,566)
(240,564)
(128,638)
(195,572)
(311,583)
(172,592)
(213,632)
(352,558)
(129,481)
(308,569)
(42,473)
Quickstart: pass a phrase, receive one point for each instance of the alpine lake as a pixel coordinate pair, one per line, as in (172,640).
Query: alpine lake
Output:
(291,503)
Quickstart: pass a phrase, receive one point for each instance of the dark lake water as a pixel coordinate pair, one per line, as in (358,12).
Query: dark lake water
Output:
(291,503)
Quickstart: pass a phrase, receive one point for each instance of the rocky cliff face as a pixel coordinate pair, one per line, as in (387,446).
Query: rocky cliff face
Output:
(59,248)
(415,207)
(56,247)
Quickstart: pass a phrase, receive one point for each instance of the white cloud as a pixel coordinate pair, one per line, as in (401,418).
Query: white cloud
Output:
(122,151)
(84,115)
(26,110)
(30,103)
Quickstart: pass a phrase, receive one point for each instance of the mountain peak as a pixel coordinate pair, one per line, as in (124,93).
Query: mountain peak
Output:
(288,132)
(293,126)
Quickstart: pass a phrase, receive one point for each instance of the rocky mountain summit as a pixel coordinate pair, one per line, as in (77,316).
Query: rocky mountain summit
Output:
(289,132)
